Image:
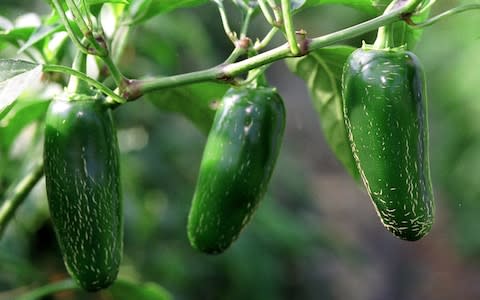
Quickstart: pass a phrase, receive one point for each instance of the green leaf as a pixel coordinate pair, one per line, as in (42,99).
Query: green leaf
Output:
(322,72)
(23,113)
(15,77)
(125,290)
(41,33)
(196,102)
(13,35)
(10,68)
(142,10)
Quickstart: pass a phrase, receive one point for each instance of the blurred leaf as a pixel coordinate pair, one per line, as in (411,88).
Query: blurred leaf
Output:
(10,68)
(40,34)
(15,267)
(368,6)
(142,10)
(196,102)
(12,36)
(455,130)
(22,114)
(278,226)
(95,6)
(55,47)
(5,23)
(403,33)
(15,77)
(124,290)
(182,43)
(322,72)
(48,289)
(296,4)
(94,2)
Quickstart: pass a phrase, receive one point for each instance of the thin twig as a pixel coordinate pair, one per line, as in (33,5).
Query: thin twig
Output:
(289,27)
(19,194)
(450,12)
(68,27)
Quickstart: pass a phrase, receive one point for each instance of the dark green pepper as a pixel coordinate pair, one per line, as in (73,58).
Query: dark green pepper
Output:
(238,161)
(386,118)
(83,187)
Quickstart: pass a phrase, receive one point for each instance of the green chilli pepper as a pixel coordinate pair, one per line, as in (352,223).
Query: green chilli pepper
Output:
(385,113)
(83,188)
(238,161)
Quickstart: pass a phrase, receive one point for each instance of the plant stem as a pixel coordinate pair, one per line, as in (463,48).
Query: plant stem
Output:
(71,33)
(246,22)
(101,87)
(147,86)
(289,27)
(75,85)
(48,289)
(267,39)
(241,4)
(226,26)
(20,192)
(228,72)
(384,38)
(237,51)
(427,6)
(445,14)
(87,32)
(276,11)
(266,13)
(87,13)
(116,74)
(77,15)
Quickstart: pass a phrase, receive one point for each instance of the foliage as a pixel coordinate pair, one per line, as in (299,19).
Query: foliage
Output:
(322,71)
(160,63)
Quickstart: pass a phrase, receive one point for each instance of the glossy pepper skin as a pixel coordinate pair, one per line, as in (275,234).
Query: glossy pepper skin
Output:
(238,161)
(385,114)
(83,187)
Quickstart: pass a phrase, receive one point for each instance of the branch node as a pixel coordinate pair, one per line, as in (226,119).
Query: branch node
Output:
(407,17)
(243,43)
(303,42)
(130,89)
(225,78)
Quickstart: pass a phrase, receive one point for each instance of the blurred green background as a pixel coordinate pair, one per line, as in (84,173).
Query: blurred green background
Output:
(316,234)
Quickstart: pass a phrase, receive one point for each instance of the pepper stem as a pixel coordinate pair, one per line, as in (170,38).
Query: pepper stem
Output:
(384,38)
(75,85)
